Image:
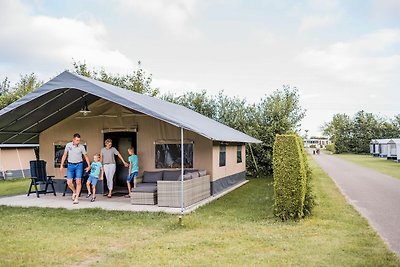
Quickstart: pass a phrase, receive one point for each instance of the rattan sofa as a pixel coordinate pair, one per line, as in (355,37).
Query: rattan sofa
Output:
(194,190)
(164,188)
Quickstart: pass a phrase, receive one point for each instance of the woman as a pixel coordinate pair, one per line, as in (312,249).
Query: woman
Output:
(107,158)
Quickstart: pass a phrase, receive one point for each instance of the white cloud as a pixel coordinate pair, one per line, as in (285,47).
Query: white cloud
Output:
(383,9)
(365,60)
(174,86)
(315,22)
(38,40)
(173,15)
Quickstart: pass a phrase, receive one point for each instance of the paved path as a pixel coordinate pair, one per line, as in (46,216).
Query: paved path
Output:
(375,195)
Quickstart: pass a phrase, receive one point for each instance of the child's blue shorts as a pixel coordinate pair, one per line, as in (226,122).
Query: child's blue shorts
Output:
(130,176)
(93,180)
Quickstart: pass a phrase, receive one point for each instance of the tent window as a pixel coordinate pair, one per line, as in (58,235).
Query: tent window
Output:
(169,156)
(59,151)
(239,154)
(222,155)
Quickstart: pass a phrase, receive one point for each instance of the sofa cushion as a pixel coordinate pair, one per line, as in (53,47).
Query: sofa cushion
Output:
(189,171)
(145,187)
(202,173)
(194,174)
(187,176)
(152,177)
(171,175)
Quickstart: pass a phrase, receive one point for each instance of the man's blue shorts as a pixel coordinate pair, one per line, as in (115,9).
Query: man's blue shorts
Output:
(75,170)
(130,176)
(93,180)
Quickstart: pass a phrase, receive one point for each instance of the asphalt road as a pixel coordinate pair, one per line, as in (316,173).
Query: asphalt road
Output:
(375,195)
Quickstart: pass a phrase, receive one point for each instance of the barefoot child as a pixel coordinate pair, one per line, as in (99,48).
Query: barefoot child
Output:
(96,172)
(133,169)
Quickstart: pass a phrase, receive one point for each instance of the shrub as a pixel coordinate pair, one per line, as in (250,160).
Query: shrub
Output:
(289,177)
(309,199)
(331,148)
(313,146)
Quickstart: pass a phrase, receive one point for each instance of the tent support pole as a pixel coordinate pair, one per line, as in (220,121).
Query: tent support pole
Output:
(20,163)
(182,171)
(1,167)
(254,160)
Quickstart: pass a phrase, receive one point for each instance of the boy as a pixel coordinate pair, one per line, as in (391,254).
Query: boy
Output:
(133,169)
(96,172)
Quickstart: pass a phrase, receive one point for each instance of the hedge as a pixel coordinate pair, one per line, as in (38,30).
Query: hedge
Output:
(289,177)
(309,199)
(331,148)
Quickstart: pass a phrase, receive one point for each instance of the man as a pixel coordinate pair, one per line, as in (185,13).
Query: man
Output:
(75,152)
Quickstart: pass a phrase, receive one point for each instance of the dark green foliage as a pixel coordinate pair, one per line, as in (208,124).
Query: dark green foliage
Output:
(289,177)
(354,134)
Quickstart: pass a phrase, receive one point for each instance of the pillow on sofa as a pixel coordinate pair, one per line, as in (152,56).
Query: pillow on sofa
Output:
(190,171)
(194,174)
(187,176)
(152,177)
(202,173)
(171,175)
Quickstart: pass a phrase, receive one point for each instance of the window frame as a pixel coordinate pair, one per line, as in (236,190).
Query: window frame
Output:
(222,151)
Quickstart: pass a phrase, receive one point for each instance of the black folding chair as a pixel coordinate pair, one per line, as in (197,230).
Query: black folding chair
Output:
(40,178)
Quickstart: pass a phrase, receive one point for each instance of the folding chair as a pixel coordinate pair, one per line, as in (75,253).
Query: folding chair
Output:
(40,178)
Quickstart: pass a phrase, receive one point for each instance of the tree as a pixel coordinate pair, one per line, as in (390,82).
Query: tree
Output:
(354,134)
(340,131)
(26,84)
(138,81)
(279,113)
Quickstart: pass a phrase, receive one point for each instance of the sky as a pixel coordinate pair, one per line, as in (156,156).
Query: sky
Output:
(343,56)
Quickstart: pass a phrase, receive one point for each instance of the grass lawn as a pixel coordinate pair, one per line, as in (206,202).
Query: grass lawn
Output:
(236,230)
(14,187)
(381,165)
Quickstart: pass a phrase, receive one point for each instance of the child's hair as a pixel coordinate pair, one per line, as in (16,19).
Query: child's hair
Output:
(131,149)
(108,141)
(96,155)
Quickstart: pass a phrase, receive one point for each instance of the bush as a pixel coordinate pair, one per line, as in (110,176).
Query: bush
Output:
(331,148)
(313,146)
(289,177)
(309,199)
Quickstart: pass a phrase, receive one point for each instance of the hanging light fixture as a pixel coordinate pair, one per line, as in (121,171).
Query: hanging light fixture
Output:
(85,109)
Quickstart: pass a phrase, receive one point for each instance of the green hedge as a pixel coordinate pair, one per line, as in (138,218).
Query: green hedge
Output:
(289,177)
(309,199)
(331,148)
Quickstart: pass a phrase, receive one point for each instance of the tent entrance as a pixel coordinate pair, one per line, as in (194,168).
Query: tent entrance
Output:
(121,141)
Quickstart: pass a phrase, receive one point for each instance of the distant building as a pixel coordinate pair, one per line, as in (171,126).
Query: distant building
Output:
(314,141)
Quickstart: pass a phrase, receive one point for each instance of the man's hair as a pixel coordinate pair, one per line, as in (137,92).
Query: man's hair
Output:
(77,135)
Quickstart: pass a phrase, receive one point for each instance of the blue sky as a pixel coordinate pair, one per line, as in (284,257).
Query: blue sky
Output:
(343,56)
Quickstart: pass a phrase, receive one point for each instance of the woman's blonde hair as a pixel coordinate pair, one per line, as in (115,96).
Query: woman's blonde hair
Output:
(108,141)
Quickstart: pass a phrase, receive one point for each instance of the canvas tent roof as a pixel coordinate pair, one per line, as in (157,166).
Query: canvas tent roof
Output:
(23,120)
